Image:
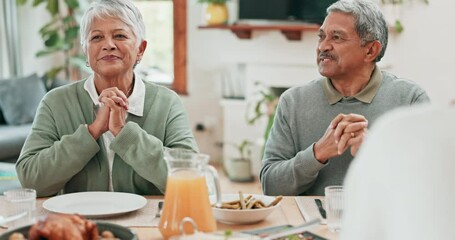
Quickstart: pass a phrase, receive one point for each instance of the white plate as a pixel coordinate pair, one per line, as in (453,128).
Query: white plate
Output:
(95,204)
(246,216)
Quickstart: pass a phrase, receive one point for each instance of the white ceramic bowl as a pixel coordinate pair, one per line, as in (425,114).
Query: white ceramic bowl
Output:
(243,216)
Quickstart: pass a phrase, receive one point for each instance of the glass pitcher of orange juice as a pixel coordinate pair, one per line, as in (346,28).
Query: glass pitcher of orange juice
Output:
(187,193)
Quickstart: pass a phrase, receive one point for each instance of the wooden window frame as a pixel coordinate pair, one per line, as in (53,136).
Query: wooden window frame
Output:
(179,84)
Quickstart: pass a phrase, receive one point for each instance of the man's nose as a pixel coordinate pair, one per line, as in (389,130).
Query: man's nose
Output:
(324,45)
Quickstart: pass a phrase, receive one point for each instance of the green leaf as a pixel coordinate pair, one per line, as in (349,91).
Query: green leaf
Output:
(46,52)
(72,4)
(51,74)
(37,2)
(71,33)
(50,26)
(398,26)
(21,2)
(227,234)
(52,7)
(69,20)
(51,39)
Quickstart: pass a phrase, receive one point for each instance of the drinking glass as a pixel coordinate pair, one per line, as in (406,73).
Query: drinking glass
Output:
(21,200)
(334,204)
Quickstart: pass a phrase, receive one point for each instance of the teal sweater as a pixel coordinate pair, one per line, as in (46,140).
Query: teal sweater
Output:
(302,117)
(60,155)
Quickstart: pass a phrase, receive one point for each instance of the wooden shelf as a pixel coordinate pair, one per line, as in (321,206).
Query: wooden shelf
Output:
(243,31)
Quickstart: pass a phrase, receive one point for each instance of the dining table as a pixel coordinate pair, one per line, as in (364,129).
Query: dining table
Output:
(145,223)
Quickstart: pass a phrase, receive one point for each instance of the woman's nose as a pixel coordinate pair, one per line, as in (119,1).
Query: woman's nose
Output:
(109,45)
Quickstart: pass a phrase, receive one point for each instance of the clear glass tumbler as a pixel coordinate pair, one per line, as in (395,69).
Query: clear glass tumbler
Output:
(334,204)
(19,201)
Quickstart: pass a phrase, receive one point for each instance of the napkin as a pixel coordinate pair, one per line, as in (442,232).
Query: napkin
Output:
(309,209)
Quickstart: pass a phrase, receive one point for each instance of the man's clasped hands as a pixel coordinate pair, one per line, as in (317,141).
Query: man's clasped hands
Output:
(344,131)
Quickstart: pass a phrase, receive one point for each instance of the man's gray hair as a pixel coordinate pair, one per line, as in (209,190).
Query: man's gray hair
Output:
(370,23)
(124,10)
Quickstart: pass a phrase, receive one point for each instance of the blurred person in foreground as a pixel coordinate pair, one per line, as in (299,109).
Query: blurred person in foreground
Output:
(107,132)
(401,184)
(319,127)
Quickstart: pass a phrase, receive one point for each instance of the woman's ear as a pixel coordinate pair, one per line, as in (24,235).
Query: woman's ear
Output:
(142,48)
(373,50)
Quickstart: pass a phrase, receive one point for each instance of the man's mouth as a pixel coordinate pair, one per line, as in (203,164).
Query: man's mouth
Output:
(325,57)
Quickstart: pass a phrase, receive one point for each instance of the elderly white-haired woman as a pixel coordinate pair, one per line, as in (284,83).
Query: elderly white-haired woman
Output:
(107,132)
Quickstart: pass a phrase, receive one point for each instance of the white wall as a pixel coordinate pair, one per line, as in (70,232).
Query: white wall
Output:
(423,53)
(30,21)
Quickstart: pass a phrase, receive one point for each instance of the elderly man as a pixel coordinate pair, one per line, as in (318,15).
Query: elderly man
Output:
(319,127)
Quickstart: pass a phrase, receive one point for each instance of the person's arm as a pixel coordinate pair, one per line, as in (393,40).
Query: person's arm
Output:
(47,161)
(287,170)
(420,98)
(144,152)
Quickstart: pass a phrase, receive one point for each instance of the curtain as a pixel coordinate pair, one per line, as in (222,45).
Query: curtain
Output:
(10,54)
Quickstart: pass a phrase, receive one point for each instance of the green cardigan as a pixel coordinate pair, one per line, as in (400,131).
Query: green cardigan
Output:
(60,155)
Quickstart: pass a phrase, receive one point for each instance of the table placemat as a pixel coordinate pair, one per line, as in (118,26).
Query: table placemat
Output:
(309,209)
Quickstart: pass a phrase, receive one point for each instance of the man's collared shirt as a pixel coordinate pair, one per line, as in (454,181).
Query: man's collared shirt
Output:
(366,95)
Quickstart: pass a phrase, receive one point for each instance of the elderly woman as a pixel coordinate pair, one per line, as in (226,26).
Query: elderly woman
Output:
(108,132)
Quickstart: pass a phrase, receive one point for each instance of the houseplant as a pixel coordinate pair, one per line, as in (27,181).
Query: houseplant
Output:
(393,8)
(61,36)
(238,169)
(264,106)
(216,12)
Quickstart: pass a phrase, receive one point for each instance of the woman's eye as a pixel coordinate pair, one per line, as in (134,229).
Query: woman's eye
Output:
(95,37)
(119,36)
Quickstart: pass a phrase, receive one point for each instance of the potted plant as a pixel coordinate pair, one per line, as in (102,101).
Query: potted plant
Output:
(264,106)
(393,11)
(61,36)
(238,169)
(216,12)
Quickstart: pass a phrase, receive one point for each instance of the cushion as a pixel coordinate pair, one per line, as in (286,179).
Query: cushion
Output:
(2,119)
(20,97)
(8,177)
(12,138)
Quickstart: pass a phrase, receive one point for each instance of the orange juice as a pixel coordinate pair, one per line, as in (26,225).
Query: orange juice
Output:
(186,196)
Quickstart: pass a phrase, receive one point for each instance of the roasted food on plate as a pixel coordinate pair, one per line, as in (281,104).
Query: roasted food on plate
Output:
(63,227)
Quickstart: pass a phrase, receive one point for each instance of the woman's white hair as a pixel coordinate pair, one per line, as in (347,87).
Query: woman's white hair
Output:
(124,10)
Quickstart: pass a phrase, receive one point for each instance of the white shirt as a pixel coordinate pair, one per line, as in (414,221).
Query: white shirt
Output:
(401,185)
(135,107)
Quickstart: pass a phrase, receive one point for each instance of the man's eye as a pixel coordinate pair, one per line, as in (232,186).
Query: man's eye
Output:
(337,38)
(321,37)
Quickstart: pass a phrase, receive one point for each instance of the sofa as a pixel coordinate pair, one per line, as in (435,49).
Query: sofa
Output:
(19,99)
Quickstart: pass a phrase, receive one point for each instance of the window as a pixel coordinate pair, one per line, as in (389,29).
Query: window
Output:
(164,61)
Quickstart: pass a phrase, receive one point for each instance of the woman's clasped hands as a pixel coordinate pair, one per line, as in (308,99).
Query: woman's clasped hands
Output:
(112,113)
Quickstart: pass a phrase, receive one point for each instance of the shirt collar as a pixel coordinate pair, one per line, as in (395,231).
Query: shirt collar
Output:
(136,99)
(366,95)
